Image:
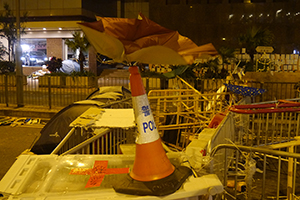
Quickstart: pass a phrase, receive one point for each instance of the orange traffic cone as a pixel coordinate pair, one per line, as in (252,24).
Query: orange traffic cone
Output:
(152,173)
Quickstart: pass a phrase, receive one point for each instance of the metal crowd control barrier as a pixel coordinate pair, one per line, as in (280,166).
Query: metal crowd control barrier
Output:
(269,123)
(258,172)
(191,110)
(256,151)
(185,111)
(97,141)
(260,167)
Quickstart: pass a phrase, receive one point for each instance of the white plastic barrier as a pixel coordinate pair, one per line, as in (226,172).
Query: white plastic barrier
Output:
(77,177)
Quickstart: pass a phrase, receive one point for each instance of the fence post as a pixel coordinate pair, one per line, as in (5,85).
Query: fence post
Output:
(147,85)
(295,91)
(262,95)
(164,83)
(6,89)
(290,175)
(202,92)
(49,91)
(202,86)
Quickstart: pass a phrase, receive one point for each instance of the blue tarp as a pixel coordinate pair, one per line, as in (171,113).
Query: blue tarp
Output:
(69,66)
(245,91)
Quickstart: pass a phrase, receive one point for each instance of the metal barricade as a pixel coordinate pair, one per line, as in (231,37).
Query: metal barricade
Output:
(269,123)
(259,152)
(45,91)
(257,172)
(94,141)
(183,112)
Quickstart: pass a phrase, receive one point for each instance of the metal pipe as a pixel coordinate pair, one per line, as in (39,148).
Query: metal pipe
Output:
(278,177)
(267,128)
(6,89)
(49,92)
(236,171)
(225,168)
(254,149)
(264,177)
(61,144)
(294,177)
(102,132)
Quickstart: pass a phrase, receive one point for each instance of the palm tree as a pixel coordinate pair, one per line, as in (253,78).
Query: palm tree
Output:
(80,42)
(255,36)
(227,54)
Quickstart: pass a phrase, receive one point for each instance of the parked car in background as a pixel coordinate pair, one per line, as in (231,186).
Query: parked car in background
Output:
(24,58)
(34,58)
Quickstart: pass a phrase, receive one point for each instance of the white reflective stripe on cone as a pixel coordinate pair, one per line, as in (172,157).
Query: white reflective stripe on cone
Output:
(147,130)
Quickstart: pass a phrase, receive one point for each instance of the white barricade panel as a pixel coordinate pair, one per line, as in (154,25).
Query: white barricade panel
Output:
(87,176)
(101,118)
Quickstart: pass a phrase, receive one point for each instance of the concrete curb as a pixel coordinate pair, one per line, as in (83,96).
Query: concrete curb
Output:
(26,111)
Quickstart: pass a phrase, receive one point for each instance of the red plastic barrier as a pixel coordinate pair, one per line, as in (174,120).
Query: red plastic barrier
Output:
(217,119)
(281,106)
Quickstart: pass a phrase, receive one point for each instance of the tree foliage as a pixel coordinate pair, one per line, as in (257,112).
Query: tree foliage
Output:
(227,54)
(255,36)
(7,67)
(9,28)
(206,70)
(79,42)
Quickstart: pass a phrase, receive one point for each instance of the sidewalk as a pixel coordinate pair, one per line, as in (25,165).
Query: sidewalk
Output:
(28,111)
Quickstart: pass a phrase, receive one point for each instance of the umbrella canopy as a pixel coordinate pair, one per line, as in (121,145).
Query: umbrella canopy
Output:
(142,40)
(59,125)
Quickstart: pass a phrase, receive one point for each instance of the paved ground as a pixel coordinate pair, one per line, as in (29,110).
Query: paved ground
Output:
(15,140)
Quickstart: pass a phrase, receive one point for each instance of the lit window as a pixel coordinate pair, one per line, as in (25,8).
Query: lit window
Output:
(277,12)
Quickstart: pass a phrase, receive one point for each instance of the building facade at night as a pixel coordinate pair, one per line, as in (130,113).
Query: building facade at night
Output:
(222,21)
(50,22)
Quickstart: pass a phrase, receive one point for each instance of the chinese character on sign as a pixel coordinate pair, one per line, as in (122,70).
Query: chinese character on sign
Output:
(146,110)
(98,172)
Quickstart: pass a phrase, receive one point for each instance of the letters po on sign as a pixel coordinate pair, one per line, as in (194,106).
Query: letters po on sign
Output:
(149,125)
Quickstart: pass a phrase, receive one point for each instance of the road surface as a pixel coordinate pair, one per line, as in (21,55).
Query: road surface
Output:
(14,141)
